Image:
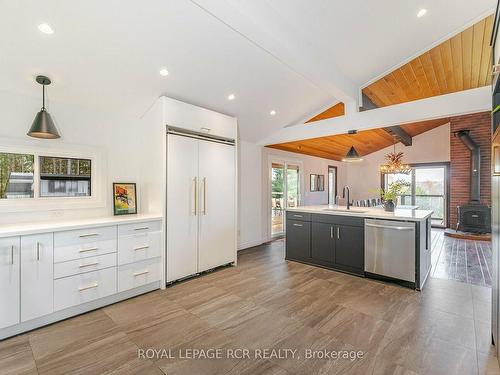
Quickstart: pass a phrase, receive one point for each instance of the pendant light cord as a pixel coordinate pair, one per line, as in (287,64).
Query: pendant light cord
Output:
(43,97)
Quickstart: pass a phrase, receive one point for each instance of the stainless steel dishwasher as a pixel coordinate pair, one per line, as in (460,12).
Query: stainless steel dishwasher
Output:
(390,248)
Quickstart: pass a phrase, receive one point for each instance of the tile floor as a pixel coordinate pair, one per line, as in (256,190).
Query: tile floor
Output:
(267,302)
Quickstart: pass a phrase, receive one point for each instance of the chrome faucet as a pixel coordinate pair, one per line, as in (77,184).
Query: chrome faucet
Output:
(348,203)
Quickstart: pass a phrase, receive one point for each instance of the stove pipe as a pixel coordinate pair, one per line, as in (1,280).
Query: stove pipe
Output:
(475,165)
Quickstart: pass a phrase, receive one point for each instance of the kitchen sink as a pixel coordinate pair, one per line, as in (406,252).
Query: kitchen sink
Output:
(344,210)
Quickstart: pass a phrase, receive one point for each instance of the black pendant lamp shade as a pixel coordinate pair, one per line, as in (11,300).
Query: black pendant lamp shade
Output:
(352,155)
(43,126)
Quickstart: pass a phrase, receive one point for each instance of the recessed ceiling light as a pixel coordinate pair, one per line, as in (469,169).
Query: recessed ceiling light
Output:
(46,28)
(272,113)
(421,12)
(164,72)
(231,97)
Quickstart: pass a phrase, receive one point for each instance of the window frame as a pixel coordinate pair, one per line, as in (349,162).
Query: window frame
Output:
(447,172)
(39,203)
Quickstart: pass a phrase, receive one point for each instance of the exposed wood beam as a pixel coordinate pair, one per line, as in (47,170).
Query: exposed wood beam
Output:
(398,132)
(436,107)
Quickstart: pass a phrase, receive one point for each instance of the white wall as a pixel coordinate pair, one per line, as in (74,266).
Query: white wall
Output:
(250,195)
(118,139)
(254,209)
(431,146)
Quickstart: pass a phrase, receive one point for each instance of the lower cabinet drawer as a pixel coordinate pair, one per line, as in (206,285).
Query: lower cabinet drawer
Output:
(74,267)
(137,274)
(139,247)
(85,287)
(83,250)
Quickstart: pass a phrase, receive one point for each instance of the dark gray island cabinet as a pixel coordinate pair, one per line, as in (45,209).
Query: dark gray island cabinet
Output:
(330,241)
(365,242)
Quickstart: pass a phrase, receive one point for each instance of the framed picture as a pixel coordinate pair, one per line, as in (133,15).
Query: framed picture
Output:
(124,198)
(313,182)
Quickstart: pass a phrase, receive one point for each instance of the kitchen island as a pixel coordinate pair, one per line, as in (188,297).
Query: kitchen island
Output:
(365,241)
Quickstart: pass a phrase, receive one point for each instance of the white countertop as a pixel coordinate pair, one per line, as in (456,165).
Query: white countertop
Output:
(369,212)
(8,230)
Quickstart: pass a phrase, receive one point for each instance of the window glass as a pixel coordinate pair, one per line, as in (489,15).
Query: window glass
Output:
(65,177)
(16,175)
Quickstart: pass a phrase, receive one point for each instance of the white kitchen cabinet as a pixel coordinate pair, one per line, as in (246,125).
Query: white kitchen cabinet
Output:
(37,275)
(9,281)
(217,199)
(53,272)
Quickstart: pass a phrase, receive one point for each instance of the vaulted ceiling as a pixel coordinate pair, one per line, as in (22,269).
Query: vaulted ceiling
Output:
(459,63)
(294,57)
(335,147)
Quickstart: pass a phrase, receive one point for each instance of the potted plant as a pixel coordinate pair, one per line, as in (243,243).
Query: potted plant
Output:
(390,195)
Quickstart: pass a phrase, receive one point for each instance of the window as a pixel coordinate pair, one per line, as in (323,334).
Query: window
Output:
(427,190)
(65,177)
(16,175)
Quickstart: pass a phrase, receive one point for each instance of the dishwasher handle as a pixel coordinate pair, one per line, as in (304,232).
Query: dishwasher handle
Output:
(388,227)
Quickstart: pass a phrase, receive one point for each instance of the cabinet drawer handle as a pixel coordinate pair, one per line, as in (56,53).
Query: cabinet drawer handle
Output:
(89,249)
(88,265)
(88,235)
(142,228)
(297,225)
(95,285)
(141,247)
(141,273)
(297,215)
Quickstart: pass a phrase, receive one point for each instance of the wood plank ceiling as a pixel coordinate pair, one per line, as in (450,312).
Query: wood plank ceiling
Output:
(335,147)
(335,111)
(460,63)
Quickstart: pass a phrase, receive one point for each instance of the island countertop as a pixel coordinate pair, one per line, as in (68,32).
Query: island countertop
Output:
(368,212)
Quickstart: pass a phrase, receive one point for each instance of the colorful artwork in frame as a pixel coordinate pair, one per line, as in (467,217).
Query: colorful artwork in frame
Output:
(124,198)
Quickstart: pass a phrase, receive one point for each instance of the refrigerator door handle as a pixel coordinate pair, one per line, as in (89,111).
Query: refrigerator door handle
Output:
(204,196)
(195,183)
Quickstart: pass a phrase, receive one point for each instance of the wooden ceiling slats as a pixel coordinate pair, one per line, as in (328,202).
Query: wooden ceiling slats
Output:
(477,50)
(439,69)
(334,111)
(391,81)
(467,41)
(486,54)
(459,63)
(418,70)
(456,54)
(446,58)
(335,147)
(430,73)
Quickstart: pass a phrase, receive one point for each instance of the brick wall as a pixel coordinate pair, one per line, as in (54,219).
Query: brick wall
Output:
(479,125)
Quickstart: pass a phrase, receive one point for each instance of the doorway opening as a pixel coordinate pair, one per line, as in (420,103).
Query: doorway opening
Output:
(285,192)
(332,184)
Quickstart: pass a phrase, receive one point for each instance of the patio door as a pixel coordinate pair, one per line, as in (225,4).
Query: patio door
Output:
(285,192)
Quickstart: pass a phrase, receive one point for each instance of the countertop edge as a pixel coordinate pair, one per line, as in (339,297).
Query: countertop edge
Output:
(367,215)
(22,229)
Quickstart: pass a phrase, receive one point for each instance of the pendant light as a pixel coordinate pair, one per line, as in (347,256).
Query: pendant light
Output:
(394,163)
(352,155)
(43,126)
